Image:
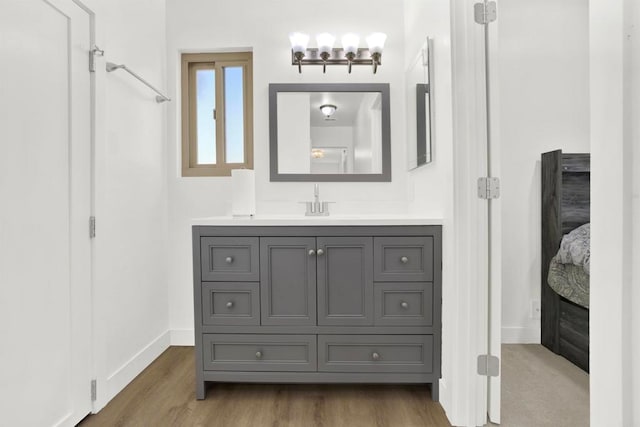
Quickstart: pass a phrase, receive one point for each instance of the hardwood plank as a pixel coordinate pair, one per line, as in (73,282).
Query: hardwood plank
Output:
(164,395)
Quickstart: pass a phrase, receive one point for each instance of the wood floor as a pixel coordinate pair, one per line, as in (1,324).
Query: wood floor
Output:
(164,395)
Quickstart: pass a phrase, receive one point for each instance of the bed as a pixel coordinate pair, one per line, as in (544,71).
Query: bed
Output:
(565,264)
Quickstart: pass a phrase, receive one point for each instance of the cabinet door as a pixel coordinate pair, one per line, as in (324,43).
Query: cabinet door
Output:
(288,280)
(345,281)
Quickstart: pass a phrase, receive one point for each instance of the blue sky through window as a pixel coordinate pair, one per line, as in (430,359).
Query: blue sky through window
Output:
(234,114)
(206,126)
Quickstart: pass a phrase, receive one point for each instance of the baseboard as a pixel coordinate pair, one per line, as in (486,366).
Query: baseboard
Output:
(519,335)
(117,381)
(65,421)
(182,337)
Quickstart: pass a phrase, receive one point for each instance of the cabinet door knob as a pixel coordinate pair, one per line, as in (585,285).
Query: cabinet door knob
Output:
(375,356)
(312,252)
(320,252)
(230,304)
(404,260)
(404,305)
(258,355)
(229,259)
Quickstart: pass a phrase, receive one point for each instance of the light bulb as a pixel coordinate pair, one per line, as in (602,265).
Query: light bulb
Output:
(350,43)
(376,42)
(325,42)
(299,42)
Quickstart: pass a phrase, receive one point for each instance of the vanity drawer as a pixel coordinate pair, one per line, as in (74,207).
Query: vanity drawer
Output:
(403,259)
(230,259)
(403,304)
(375,353)
(252,352)
(231,303)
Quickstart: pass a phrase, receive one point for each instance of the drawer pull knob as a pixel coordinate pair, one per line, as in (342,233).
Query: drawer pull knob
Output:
(258,355)
(404,305)
(230,304)
(312,252)
(229,259)
(375,356)
(404,260)
(320,252)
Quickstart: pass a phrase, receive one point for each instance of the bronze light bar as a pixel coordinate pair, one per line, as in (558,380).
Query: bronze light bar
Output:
(326,54)
(312,57)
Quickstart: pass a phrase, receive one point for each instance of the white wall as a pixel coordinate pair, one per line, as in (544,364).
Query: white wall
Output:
(129,289)
(635,212)
(544,106)
(130,257)
(264,27)
(430,187)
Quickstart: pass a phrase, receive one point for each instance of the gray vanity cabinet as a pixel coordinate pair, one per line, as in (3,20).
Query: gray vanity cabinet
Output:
(288,280)
(225,258)
(345,281)
(322,304)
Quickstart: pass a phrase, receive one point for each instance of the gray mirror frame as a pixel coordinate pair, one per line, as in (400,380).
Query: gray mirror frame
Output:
(382,88)
(425,135)
(423,132)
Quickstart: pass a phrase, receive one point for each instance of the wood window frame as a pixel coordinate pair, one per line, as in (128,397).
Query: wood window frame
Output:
(190,62)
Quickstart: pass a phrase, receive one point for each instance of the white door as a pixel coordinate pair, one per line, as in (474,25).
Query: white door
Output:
(45,193)
(495,221)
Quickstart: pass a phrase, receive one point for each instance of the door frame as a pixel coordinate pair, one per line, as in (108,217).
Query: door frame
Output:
(615,100)
(468,324)
(98,129)
(495,229)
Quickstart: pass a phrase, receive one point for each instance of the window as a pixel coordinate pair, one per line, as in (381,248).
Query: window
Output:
(217,113)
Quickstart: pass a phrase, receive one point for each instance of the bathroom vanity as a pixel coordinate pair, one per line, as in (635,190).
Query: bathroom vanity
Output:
(317,301)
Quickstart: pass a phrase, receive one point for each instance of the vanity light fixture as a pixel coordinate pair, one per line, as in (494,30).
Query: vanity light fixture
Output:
(299,42)
(328,109)
(325,44)
(325,54)
(317,153)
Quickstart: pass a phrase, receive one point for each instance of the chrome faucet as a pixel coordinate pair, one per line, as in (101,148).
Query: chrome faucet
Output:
(317,208)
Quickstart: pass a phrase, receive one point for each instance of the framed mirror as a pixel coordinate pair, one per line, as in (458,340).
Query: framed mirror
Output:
(420,107)
(329,132)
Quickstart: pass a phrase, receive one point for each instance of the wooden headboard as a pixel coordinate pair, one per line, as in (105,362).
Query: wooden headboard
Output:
(565,205)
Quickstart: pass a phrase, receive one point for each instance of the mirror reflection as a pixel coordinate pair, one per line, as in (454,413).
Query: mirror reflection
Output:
(419,90)
(329,132)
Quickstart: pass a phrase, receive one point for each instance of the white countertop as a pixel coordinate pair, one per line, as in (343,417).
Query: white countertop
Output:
(265,220)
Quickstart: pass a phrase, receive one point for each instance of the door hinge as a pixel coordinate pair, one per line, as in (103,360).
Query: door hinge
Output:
(488,366)
(488,188)
(485,13)
(94,390)
(95,51)
(92,227)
